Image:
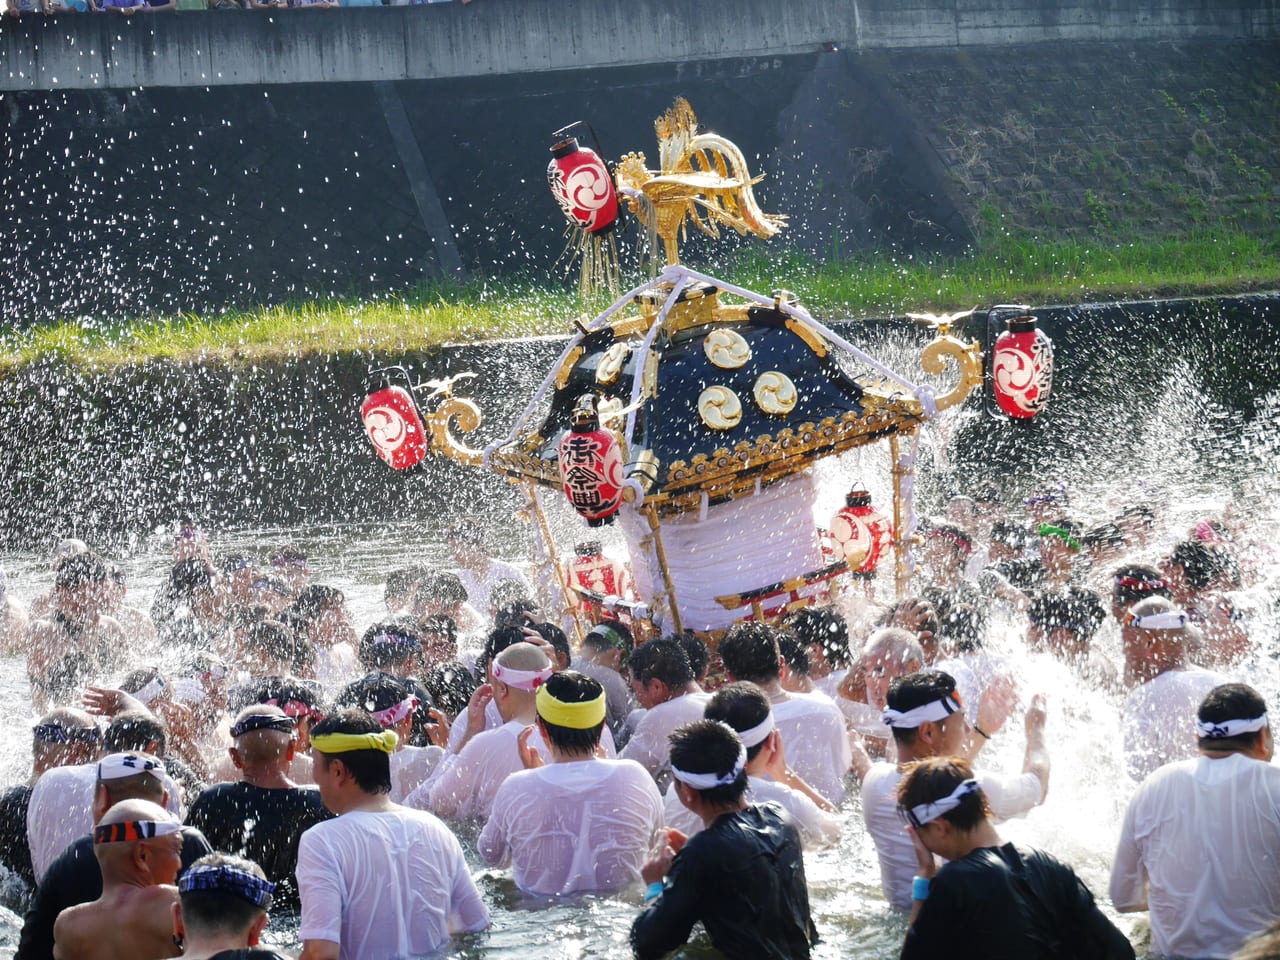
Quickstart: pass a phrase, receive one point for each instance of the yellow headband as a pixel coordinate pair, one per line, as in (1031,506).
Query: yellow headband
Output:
(575,716)
(346,742)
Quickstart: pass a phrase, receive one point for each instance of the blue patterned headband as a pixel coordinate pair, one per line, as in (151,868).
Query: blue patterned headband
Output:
(223,878)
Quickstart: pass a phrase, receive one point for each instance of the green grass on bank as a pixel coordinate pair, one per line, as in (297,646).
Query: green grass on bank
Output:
(1008,270)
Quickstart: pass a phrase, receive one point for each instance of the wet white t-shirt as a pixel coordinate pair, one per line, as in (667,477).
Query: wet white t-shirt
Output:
(1159,723)
(649,747)
(815,741)
(385,885)
(573,827)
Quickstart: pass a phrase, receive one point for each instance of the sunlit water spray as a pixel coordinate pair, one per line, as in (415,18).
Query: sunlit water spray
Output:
(1171,439)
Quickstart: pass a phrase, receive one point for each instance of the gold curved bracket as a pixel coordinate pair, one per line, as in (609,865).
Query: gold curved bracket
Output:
(968,358)
(468,418)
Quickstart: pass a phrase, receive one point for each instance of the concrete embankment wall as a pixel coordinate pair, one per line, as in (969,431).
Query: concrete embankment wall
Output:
(115,453)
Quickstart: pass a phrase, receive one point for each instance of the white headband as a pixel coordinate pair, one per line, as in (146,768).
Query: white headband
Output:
(758,733)
(708,781)
(116,766)
(150,693)
(1169,620)
(928,812)
(394,714)
(931,712)
(521,679)
(1230,728)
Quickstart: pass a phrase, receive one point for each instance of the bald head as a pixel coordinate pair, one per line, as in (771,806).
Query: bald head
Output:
(894,645)
(523,656)
(262,736)
(138,842)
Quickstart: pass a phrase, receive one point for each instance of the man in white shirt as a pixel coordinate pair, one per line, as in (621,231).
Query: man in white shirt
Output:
(602,656)
(379,880)
(927,718)
(662,680)
(467,782)
(812,726)
(745,708)
(1167,688)
(478,571)
(1200,846)
(580,823)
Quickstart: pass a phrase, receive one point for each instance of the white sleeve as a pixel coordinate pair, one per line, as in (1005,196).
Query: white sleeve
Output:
(320,889)
(467,912)
(817,827)
(642,749)
(1128,886)
(492,842)
(1011,796)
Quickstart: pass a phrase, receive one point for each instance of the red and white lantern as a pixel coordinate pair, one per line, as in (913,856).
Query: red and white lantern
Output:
(394,426)
(583,186)
(1022,368)
(591,570)
(591,467)
(862,533)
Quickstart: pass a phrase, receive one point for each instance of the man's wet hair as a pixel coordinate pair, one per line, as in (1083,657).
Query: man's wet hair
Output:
(80,570)
(389,656)
(569,686)
(749,651)
(521,612)
(439,626)
(743,706)
(1103,535)
(663,660)
(965,625)
(133,731)
(272,638)
(956,535)
(556,637)
(509,592)
(927,781)
(1137,581)
(709,746)
(371,769)
(188,576)
(793,654)
(230,563)
(1079,611)
(404,581)
(289,554)
(1139,511)
(312,602)
(695,649)
(825,627)
(214,912)
(1009,533)
(451,686)
(136,680)
(1202,563)
(495,641)
(372,692)
(610,635)
(281,689)
(1231,701)
(913,690)
(442,587)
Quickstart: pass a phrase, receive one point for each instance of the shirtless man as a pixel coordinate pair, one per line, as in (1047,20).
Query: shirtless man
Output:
(223,910)
(77,641)
(138,845)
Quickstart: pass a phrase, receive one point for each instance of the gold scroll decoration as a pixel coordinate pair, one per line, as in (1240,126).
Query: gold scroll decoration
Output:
(467,415)
(775,393)
(968,358)
(719,408)
(726,349)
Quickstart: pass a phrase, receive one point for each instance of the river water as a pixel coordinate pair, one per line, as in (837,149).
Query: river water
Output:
(1190,447)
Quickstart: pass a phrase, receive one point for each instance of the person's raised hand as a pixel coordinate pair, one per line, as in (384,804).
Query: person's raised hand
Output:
(529,756)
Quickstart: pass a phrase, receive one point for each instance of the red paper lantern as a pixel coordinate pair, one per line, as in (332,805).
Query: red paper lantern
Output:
(583,186)
(863,534)
(394,427)
(591,465)
(1022,368)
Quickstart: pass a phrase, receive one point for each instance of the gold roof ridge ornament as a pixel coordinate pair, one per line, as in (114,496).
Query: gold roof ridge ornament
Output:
(715,395)
(701,177)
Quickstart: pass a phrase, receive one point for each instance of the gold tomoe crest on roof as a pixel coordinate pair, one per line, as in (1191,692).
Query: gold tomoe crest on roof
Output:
(727,349)
(719,408)
(775,393)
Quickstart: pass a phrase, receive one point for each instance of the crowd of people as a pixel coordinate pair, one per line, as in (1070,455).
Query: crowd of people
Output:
(240,747)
